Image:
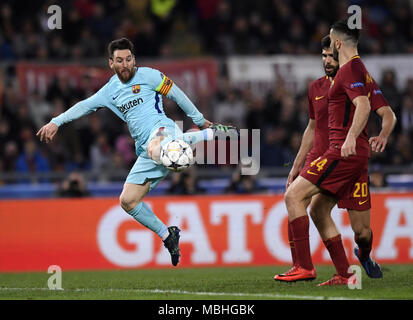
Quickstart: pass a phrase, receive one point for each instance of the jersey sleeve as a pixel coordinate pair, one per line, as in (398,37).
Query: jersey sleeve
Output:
(158,81)
(310,102)
(354,81)
(181,99)
(82,108)
(377,100)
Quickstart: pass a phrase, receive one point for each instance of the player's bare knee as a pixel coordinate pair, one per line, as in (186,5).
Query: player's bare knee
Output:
(127,203)
(289,198)
(294,198)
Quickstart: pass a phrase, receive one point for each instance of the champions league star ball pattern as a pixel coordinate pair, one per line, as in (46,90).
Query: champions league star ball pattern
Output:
(176,155)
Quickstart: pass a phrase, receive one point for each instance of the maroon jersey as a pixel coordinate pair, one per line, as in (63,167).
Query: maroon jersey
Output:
(318,110)
(352,80)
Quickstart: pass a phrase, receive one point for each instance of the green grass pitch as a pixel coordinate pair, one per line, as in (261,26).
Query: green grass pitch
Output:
(240,283)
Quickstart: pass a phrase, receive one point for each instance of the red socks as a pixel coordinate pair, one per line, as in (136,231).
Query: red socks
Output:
(338,255)
(299,239)
(300,231)
(291,242)
(364,246)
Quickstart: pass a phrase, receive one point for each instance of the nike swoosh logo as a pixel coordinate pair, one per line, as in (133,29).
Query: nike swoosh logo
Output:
(115,97)
(363,202)
(318,98)
(315,174)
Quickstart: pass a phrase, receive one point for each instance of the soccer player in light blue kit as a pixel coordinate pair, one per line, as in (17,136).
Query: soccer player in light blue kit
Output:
(134,95)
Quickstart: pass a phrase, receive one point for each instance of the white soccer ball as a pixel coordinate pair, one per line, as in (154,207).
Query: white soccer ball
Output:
(176,155)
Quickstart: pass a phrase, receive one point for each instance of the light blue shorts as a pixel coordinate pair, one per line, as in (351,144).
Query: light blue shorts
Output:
(145,168)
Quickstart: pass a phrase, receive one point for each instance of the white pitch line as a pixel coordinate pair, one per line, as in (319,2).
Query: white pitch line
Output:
(199,293)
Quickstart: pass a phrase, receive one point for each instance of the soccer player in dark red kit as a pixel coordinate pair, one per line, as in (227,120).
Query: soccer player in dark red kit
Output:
(340,173)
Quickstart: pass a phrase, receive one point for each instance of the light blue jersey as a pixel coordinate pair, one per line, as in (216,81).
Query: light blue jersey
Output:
(138,102)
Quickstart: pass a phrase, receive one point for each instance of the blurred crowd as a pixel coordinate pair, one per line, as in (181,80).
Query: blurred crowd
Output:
(101,143)
(165,28)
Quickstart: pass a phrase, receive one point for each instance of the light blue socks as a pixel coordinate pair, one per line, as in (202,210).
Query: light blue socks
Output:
(193,137)
(198,136)
(144,215)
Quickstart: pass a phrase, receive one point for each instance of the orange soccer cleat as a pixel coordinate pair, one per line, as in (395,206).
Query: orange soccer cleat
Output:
(296,273)
(338,280)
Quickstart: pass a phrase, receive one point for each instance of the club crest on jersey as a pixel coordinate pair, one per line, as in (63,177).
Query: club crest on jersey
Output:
(136,88)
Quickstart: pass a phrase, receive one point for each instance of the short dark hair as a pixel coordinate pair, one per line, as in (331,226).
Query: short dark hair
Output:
(325,42)
(342,27)
(120,44)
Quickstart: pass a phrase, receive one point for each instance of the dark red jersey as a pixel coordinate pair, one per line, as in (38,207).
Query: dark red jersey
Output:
(318,110)
(352,80)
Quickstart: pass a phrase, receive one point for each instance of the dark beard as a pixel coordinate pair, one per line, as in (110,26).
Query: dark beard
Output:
(131,74)
(333,73)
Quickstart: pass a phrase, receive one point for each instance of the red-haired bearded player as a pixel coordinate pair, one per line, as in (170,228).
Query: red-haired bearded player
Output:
(316,138)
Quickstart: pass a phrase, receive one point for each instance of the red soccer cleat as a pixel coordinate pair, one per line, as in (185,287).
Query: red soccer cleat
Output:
(338,280)
(296,273)
(289,272)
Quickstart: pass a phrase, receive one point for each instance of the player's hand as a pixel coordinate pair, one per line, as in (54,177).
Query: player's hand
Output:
(206,124)
(378,144)
(291,176)
(349,147)
(47,132)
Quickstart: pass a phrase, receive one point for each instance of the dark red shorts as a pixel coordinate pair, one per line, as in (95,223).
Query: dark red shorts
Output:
(345,179)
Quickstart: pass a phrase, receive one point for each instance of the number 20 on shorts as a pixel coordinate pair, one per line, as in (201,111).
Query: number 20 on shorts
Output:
(361,190)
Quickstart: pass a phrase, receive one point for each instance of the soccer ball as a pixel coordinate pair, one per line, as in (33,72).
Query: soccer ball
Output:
(176,155)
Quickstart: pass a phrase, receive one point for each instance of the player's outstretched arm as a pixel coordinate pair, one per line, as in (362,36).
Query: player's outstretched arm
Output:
(305,147)
(48,131)
(361,116)
(182,100)
(378,143)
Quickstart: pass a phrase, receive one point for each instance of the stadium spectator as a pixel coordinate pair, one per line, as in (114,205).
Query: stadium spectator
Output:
(39,109)
(392,93)
(31,161)
(377,178)
(185,183)
(74,186)
(243,184)
(274,152)
(407,115)
(231,110)
(88,43)
(9,158)
(403,153)
(125,147)
(101,153)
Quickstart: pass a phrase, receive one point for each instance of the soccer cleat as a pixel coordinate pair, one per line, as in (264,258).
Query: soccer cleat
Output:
(289,272)
(338,280)
(297,274)
(217,127)
(371,267)
(172,244)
